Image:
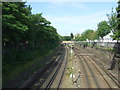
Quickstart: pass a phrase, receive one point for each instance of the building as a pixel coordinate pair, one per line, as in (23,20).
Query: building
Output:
(107,38)
(77,35)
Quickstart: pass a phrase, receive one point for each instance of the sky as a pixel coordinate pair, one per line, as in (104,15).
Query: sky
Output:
(73,17)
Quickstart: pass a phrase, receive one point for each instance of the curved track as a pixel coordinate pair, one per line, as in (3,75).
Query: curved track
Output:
(50,76)
(92,68)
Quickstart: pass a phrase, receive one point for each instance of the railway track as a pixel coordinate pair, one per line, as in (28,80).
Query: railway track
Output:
(98,67)
(49,77)
(113,78)
(59,78)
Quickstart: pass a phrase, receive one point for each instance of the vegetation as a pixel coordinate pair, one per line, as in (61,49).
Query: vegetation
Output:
(80,37)
(104,27)
(118,21)
(26,37)
(68,38)
(105,48)
(112,21)
(71,35)
(88,34)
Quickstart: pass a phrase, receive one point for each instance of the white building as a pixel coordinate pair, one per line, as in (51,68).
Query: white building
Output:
(77,35)
(107,38)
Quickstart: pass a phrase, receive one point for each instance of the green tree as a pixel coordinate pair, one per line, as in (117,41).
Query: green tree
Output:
(88,34)
(80,38)
(15,18)
(118,21)
(66,38)
(25,38)
(103,29)
(112,21)
(71,36)
(94,35)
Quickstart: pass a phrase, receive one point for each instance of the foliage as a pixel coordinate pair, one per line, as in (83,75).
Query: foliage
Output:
(60,37)
(112,21)
(88,33)
(26,36)
(16,61)
(118,20)
(14,19)
(94,35)
(80,38)
(71,35)
(105,48)
(21,28)
(103,29)
(66,38)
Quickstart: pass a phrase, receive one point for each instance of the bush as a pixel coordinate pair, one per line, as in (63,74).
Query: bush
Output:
(15,61)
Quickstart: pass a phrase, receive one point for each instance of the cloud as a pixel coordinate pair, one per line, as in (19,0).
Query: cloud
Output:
(76,24)
(68,4)
(73,17)
(70,0)
(93,18)
(78,5)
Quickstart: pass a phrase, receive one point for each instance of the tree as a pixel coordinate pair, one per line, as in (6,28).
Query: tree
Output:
(71,35)
(94,35)
(15,20)
(20,26)
(25,37)
(103,29)
(112,21)
(118,21)
(80,38)
(88,34)
(66,38)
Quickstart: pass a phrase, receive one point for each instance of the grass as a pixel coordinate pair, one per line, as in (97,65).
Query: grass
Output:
(18,61)
(105,48)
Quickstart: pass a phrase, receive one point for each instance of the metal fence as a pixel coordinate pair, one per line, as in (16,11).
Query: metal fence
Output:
(100,44)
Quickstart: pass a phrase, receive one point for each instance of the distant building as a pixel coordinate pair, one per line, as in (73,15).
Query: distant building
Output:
(77,35)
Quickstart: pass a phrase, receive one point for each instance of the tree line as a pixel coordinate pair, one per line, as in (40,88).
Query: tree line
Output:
(21,28)
(26,37)
(104,27)
(67,38)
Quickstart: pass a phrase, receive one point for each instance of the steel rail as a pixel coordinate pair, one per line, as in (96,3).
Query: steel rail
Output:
(106,71)
(60,61)
(64,68)
(96,69)
(46,74)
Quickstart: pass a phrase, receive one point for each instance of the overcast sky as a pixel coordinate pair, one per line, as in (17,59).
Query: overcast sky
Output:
(73,17)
